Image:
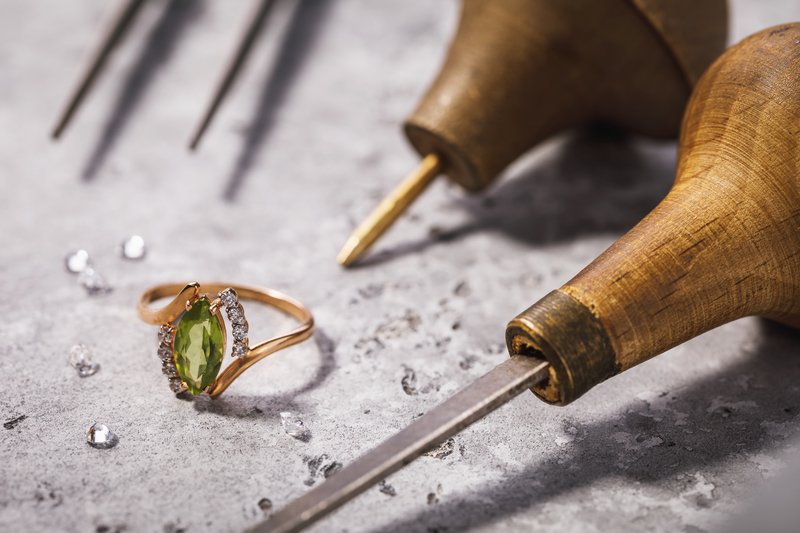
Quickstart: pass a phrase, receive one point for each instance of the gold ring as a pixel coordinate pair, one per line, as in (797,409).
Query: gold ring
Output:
(192,350)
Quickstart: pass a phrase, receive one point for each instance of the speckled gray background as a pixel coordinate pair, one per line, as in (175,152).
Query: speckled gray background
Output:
(305,145)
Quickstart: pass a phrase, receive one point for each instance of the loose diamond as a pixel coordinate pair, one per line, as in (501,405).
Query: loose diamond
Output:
(235,314)
(77,262)
(132,248)
(239,349)
(80,357)
(99,436)
(239,332)
(170,370)
(443,450)
(265,505)
(175,385)
(293,426)
(166,334)
(229,297)
(165,352)
(93,281)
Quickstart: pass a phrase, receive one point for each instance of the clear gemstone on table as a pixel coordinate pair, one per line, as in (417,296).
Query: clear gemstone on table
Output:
(132,248)
(229,297)
(293,426)
(81,359)
(165,352)
(239,332)
(93,281)
(166,334)
(175,385)
(99,436)
(239,349)
(77,262)
(236,315)
(169,369)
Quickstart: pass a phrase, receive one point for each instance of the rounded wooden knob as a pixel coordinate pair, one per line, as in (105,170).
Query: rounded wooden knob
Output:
(519,71)
(723,244)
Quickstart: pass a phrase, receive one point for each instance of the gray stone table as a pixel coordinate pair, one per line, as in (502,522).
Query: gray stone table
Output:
(307,143)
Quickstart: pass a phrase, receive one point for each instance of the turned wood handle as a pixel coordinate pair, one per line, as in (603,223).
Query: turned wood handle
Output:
(519,71)
(724,243)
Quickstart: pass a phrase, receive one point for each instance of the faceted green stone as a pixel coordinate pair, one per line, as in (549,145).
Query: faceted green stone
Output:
(199,346)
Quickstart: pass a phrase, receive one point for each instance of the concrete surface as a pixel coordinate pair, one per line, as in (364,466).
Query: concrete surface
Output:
(305,145)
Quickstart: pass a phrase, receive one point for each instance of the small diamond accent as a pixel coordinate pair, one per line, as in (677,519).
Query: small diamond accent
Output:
(239,332)
(170,370)
(239,349)
(236,315)
(166,334)
(99,436)
(175,385)
(77,262)
(132,248)
(93,281)
(81,359)
(293,426)
(229,297)
(165,352)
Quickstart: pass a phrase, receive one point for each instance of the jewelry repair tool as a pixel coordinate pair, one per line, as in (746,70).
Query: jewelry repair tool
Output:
(519,71)
(254,23)
(112,34)
(723,244)
(192,351)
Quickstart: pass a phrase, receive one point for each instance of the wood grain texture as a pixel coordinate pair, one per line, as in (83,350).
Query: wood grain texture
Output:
(725,242)
(519,71)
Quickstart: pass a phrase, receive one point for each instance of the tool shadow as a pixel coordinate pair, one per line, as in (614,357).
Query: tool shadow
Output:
(299,41)
(726,418)
(598,181)
(161,43)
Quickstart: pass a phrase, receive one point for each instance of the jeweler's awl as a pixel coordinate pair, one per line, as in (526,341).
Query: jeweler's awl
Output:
(254,23)
(112,34)
(519,71)
(722,245)
(505,382)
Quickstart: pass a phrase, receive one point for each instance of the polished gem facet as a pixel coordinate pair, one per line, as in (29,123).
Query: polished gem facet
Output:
(239,332)
(132,248)
(236,315)
(170,370)
(293,426)
(239,349)
(165,352)
(229,297)
(199,346)
(99,436)
(166,334)
(80,357)
(77,262)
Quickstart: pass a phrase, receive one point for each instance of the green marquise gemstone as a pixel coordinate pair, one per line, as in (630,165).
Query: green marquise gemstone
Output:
(199,346)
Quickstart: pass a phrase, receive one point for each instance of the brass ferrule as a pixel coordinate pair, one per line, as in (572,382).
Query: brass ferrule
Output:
(563,331)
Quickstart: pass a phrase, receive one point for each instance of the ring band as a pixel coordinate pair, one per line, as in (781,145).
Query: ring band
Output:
(192,351)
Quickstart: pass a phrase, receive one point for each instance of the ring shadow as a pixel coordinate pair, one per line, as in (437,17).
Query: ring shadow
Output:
(161,43)
(233,405)
(597,450)
(304,28)
(598,181)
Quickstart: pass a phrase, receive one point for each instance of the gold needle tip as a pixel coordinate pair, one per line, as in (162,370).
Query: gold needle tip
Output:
(390,208)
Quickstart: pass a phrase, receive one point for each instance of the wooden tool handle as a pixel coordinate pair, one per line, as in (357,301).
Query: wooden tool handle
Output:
(519,71)
(725,242)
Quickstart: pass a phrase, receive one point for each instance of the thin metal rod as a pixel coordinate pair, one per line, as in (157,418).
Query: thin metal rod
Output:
(114,30)
(391,207)
(255,21)
(506,381)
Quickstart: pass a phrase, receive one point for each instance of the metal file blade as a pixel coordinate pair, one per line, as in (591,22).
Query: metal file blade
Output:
(489,392)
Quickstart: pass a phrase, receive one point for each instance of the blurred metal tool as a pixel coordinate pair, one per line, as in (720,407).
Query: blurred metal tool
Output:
(112,34)
(506,381)
(254,24)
